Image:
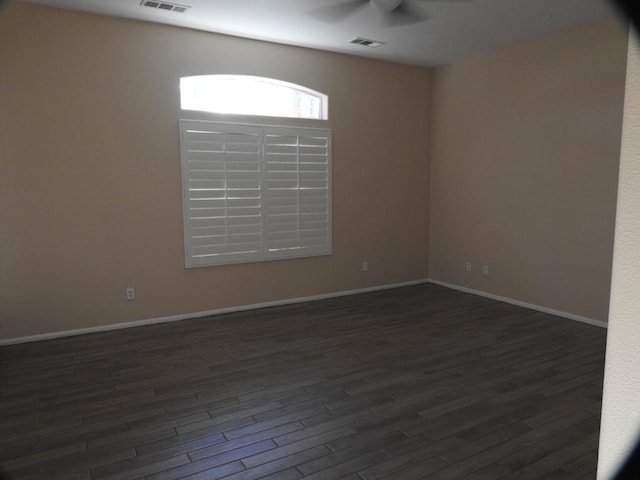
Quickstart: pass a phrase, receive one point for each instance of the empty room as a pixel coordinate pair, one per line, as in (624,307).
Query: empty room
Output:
(318,239)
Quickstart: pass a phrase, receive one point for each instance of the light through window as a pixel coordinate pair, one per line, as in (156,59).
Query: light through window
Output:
(249,95)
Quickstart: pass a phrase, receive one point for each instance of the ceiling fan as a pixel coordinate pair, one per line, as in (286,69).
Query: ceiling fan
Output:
(393,12)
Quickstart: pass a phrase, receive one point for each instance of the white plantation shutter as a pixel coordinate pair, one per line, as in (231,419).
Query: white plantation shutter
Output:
(222,172)
(254,193)
(297,174)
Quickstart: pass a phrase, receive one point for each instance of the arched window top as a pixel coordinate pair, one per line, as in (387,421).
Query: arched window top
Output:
(249,95)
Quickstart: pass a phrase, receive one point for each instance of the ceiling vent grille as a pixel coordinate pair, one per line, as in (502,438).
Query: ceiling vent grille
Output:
(365,42)
(169,7)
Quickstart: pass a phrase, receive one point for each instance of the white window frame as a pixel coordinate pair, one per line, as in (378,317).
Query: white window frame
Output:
(254,192)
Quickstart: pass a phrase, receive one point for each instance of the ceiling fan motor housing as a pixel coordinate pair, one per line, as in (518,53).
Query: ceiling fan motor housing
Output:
(386,5)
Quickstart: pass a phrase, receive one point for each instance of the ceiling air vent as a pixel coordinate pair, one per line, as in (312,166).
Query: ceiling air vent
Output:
(169,7)
(365,42)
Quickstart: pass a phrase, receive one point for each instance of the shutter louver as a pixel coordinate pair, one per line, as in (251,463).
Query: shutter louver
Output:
(254,193)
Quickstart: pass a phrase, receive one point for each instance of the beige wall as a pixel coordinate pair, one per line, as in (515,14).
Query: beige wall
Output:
(525,151)
(523,176)
(620,415)
(90,180)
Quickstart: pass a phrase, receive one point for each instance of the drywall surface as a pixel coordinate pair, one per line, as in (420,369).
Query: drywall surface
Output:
(525,152)
(91,188)
(620,413)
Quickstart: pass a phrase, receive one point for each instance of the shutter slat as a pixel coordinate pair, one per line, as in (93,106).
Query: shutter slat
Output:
(272,158)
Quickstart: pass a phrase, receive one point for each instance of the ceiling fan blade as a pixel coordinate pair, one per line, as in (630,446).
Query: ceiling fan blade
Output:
(335,13)
(405,14)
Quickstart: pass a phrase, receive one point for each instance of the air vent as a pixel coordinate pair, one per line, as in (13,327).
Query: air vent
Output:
(169,7)
(365,42)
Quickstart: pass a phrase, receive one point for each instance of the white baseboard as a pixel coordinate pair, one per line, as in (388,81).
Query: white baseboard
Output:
(531,306)
(240,308)
(208,313)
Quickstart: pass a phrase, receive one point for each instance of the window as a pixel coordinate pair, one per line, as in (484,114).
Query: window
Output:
(248,95)
(254,192)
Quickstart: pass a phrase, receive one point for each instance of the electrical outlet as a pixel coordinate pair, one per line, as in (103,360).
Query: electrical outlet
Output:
(365,266)
(485,269)
(131,293)
(468,266)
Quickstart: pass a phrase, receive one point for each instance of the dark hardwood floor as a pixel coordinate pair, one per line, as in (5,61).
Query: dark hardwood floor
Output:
(410,383)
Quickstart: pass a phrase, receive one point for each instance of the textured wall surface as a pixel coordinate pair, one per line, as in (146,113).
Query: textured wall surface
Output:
(525,152)
(91,189)
(90,199)
(621,401)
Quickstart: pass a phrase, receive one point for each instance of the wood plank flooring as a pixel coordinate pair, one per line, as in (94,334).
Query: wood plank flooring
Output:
(413,383)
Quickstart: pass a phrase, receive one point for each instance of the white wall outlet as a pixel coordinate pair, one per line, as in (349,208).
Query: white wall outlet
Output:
(131,293)
(365,266)
(485,269)
(468,266)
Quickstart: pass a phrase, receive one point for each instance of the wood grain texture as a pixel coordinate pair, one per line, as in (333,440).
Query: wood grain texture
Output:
(419,382)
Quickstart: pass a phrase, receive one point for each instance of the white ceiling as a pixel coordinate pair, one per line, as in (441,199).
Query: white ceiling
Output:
(454,28)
